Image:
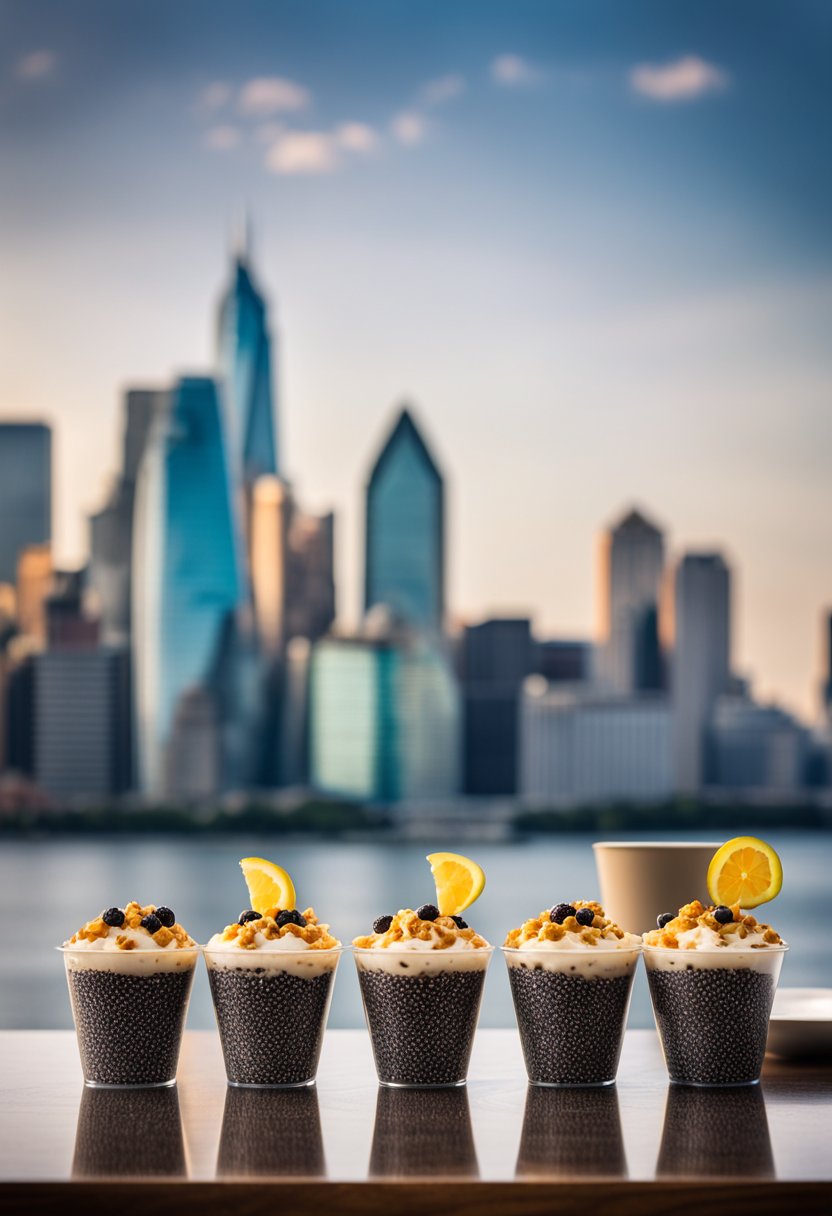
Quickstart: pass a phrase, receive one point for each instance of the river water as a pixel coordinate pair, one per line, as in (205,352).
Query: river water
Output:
(49,888)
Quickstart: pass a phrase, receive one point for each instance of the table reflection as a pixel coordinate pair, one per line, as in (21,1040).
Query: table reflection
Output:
(571,1132)
(271,1131)
(714,1133)
(129,1132)
(423,1131)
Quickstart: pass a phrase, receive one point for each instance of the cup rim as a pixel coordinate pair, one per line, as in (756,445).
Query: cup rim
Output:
(194,949)
(719,951)
(276,954)
(633,948)
(478,950)
(657,844)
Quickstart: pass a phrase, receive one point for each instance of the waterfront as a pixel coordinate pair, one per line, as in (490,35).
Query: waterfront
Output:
(49,887)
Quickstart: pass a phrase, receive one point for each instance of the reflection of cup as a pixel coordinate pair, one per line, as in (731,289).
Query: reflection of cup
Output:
(271,1131)
(271,1009)
(129,1008)
(712,1009)
(571,1008)
(129,1132)
(715,1133)
(419,1132)
(641,879)
(571,1132)
(422,1009)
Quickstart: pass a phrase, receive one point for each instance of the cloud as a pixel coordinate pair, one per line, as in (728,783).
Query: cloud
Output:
(683,79)
(356,137)
(36,65)
(300,152)
(409,127)
(266,95)
(512,71)
(443,89)
(222,138)
(213,97)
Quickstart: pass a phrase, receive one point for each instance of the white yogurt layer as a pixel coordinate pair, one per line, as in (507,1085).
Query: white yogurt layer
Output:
(144,960)
(609,957)
(576,941)
(415,958)
(269,944)
(765,957)
(703,937)
(288,953)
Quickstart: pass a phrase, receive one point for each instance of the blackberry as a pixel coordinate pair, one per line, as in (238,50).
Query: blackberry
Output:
(166,916)
(248,915)
(459,922)
(427,912)
(291,918)
(382,924)
(113,917)
(559,913)
(585,916)
(151,922)
(664,919)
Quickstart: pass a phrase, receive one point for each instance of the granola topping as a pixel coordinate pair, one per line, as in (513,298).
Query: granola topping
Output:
(132,935)
(696,928)
(408,931)
(264,934)
(541,932)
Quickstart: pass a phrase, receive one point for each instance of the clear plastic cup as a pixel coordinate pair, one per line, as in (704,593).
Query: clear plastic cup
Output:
(422,1009)
(129,1008)
(271,1008)
(712,1009)
(571,1008)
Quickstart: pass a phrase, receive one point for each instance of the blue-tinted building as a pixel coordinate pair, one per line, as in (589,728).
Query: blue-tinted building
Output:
(405,530)
(25,491)
(245,363)
(186,583)
(384,718)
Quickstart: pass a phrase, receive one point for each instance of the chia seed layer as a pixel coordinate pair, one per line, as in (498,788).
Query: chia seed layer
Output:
(715,1133)
(423,1132)
(129,1133)
(571,1028)
(712,1022)
(571,1131)
(129,1026)
(271,1132)
(271,1023)
(422,1026)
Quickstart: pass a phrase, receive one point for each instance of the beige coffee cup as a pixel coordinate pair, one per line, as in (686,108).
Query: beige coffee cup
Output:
(640,879)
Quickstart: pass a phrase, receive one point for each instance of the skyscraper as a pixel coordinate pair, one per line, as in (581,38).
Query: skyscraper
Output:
(632,561)
(245,369)
(496,658)
(25,491)
(701,634)
(405,530)
(186,574)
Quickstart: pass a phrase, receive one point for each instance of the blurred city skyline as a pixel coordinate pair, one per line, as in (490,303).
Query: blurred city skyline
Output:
(591,250)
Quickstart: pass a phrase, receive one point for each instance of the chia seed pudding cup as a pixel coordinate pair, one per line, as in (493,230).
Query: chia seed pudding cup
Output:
(271,979)
(129,987)
(571,976)
(421,982)
(712,985)
(271,1132)
(421,1132)
(570,1132)
(129,1133)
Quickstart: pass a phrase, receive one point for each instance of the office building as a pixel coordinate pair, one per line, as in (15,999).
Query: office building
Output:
(584,748)
(193,754)
(496,657)
(25,491)
(246,377)
(757,748)
(631,566)
(699,628)
(384,716)
(34,583)
(187,584)
(405,530)
(565,661)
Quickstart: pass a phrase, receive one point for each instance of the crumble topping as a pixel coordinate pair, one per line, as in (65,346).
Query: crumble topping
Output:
(542,929)
(315,935)
(696,927)
(134,913)
(408,930)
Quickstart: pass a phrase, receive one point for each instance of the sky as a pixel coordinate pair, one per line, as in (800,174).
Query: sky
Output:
(588,241)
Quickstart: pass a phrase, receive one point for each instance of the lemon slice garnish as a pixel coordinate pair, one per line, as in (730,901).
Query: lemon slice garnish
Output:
(459,881)
(269,886)
(745,871)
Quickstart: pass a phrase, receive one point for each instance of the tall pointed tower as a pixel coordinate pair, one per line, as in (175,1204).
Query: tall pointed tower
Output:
(245,365)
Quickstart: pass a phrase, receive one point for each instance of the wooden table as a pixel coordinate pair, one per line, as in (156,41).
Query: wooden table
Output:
(350,1147)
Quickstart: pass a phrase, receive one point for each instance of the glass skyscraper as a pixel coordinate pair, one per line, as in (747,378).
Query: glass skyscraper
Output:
(245,363)
(25,491)
(186,581)
(405,530)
